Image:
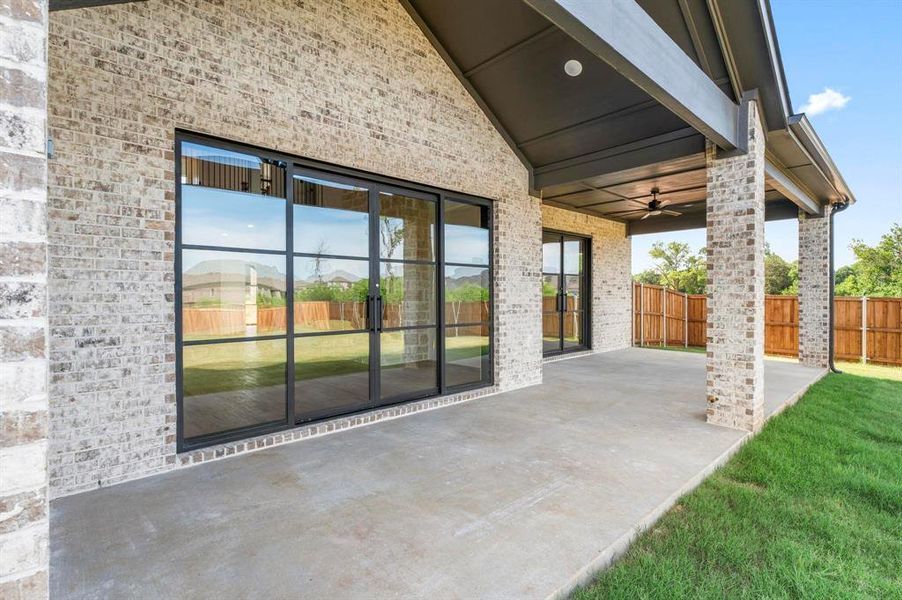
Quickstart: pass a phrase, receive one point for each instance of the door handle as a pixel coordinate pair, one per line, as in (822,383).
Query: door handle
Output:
(369,315)
(378,319)
(560,302)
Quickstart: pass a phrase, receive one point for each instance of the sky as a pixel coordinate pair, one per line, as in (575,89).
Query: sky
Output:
(843,64)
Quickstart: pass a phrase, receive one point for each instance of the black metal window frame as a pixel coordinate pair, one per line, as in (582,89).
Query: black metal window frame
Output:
(376,183)
(586,300)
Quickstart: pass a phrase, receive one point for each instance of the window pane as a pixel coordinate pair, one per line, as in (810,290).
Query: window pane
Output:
(232,294)
(573,257)
(332,374)
(211,167)
(408,362)
(574,288)
(466,295)
(551,285)
(573,329)
(232,385)
(330,218)
(330,294)
(551,253)
(466,354)
(408,294)
(212,217)
(406,228)
(466,233)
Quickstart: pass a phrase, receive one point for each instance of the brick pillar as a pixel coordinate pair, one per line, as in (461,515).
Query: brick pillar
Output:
(814,290)
(735,247)
(23,300)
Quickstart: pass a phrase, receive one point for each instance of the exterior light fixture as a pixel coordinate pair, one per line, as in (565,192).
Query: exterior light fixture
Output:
(573,67)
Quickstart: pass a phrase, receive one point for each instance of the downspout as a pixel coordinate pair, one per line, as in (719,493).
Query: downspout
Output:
(833,208)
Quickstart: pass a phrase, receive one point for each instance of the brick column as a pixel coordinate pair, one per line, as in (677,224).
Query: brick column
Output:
(23,300)
(814,290)
(735,247)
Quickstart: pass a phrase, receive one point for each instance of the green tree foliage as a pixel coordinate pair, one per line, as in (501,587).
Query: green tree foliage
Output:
(676,267)
(877,270)
(469,292)
(780,276)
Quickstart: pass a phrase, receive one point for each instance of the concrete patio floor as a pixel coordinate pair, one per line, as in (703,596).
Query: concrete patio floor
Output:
(520,494)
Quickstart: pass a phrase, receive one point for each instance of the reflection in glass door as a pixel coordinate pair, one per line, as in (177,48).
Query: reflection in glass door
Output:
(406,302)
(564,292)
(332,298)
(306,292)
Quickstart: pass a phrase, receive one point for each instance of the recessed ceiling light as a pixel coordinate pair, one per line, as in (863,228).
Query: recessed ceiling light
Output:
(573,67)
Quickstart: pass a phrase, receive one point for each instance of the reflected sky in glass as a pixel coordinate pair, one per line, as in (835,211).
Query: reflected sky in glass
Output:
(319,230)
(551,257)
(330,270)
(572,262)
(214,217)
(467,245)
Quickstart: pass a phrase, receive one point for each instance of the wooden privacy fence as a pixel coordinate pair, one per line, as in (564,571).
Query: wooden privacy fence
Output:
(866,329)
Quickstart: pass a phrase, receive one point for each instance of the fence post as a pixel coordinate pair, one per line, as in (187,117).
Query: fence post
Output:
(685,320)
(663,316)
(641,316)
(864,329)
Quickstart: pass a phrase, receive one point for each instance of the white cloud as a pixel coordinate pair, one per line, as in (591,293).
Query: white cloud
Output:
(829,99)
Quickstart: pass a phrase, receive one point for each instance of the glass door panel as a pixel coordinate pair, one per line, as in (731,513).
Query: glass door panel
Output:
(564,292)
(332,298)
(406,299)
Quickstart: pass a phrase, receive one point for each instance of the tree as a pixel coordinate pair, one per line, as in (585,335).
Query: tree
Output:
(877,270)
(677,267)
(778,273)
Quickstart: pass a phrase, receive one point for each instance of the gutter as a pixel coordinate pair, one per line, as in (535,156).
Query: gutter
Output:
(833,208)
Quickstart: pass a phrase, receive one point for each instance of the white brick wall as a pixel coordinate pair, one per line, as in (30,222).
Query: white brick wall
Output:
(814,290)
(611,268)
(24,551)
(352,82)
(735,250)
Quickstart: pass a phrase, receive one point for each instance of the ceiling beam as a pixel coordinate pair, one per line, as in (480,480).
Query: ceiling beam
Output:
(790,189)
(70,4)
(623,35)
(661,148)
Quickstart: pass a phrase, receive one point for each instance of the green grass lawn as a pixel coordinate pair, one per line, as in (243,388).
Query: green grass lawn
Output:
(810,508)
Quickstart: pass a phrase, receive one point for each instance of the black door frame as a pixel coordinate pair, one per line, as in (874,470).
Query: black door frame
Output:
(374,183)
(585,293)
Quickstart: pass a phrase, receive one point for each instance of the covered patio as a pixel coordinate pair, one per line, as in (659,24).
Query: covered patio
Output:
(521,494)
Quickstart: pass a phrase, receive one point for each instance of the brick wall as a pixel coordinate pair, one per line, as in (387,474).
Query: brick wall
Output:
(735,252)
(23,300)
(611,268)
(814,290)
(351,82)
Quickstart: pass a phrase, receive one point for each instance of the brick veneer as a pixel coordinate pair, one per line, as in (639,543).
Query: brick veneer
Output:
(735,251)
(611,268)
(23,300)
(814,290)
(352,82)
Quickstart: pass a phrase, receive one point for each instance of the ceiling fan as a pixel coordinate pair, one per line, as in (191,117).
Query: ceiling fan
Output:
(652,208)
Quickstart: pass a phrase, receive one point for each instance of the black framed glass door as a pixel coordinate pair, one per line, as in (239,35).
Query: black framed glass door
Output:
(307,291)
(565,297)
(364,295)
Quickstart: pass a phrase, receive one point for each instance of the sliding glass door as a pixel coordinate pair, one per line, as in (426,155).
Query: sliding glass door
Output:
(565,297)
(306,293)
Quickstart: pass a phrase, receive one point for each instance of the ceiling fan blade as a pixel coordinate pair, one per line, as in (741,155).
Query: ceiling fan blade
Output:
(672,213)
(645,216)
(625,212)
(663,203)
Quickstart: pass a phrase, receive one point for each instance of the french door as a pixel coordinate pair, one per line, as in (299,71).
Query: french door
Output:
(365,295)
(565,293)
(306,291)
